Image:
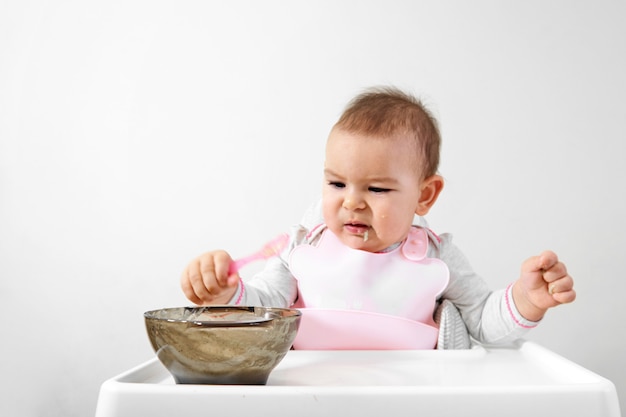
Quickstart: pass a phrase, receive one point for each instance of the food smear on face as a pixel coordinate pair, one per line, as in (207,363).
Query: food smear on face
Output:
(366,235)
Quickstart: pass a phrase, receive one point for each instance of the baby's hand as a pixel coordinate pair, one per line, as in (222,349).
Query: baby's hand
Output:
(544,283)
(206,281)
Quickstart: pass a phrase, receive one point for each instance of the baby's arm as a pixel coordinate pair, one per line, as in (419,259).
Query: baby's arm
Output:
(206,280)
(274,286)
(495,317)
(544,283)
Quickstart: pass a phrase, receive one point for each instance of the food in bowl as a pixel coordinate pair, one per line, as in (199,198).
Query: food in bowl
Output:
(221,344)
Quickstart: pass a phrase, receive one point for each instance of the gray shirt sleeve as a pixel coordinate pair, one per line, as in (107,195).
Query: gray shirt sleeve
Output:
(490,316)
(272,287)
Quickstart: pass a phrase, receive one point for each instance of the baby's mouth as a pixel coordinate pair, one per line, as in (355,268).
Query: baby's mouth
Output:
(356,228)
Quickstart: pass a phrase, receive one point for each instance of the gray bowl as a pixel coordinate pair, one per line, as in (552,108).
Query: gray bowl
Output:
(221,345)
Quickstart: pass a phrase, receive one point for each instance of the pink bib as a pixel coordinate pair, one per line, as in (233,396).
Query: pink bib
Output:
(402,282)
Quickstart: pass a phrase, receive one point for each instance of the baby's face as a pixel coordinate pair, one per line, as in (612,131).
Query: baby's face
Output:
(371,189)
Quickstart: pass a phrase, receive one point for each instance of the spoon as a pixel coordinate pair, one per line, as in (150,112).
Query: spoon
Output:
(270,249)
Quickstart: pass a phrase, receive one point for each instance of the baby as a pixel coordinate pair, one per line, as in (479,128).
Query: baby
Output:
(366,244)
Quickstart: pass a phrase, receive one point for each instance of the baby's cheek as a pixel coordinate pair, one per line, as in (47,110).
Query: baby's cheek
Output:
(328,215)
(381,227)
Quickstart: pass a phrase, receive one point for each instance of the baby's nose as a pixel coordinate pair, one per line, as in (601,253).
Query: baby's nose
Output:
(353,202)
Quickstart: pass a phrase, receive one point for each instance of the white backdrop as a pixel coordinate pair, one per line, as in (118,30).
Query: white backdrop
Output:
(136,134)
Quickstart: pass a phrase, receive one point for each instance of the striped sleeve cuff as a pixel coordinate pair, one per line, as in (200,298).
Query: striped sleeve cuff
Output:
(514,313)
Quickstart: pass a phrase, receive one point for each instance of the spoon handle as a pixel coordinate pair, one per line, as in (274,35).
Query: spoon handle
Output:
(270,249)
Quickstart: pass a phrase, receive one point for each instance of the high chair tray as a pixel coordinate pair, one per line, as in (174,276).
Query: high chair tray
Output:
(523,380)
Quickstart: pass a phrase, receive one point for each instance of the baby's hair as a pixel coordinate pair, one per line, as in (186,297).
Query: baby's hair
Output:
(388,111)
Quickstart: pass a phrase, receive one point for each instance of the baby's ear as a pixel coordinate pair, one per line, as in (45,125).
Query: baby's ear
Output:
(429,192)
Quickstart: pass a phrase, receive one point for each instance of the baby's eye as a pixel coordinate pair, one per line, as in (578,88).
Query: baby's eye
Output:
(379,189)
(336,184)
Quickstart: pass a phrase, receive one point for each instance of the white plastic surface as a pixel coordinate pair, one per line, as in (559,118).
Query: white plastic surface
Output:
(522,381)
